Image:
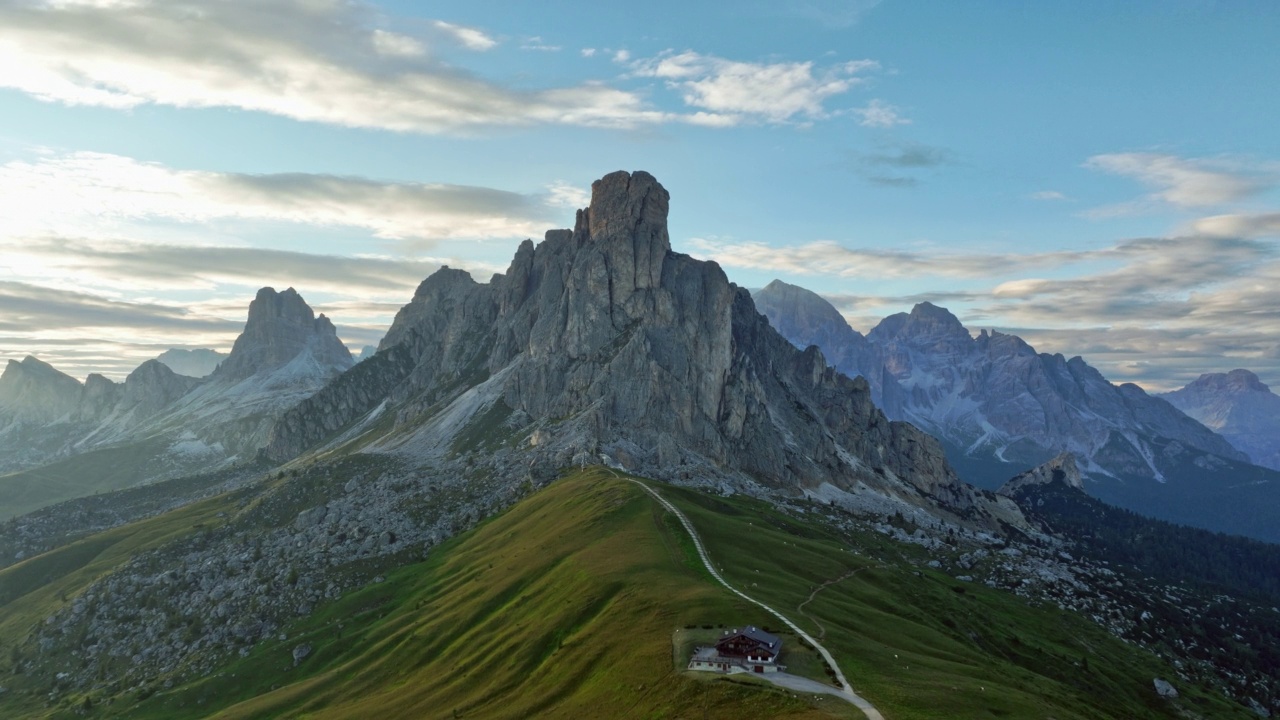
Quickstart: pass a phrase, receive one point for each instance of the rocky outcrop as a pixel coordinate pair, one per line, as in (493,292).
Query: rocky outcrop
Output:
(1238,406)
(1062,469)
(601,339)
(151,387)
(281,326)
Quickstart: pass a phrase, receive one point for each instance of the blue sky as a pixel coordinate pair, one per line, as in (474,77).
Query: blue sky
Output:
(1103,180)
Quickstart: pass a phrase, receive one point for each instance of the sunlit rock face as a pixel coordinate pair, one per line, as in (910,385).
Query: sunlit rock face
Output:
(602,340)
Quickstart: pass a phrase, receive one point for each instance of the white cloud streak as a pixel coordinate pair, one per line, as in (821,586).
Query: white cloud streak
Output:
(468,37)
(769,92)
(1184,182)
(310,60)
(83,192)
(879,114)
(1158,311)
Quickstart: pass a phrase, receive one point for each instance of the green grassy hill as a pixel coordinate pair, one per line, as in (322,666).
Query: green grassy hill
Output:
(92,472)
(569,604)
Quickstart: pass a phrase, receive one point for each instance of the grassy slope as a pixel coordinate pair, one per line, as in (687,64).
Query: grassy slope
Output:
(95,471)
(566,605)
(929,646)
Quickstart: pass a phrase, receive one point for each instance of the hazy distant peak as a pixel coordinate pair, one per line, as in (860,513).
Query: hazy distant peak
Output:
(196,363)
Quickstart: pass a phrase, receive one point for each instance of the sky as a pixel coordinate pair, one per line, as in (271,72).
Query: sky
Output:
(1100,178)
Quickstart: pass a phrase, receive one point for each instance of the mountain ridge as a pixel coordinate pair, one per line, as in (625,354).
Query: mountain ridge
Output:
(566,351)
(1238,406)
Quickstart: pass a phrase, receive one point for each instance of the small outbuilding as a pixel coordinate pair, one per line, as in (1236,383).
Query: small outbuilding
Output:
(748,649)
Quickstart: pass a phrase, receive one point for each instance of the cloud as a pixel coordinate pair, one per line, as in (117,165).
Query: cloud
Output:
(830,258)
(536,43)
(879,114)
(31,308)
(1244,226)
(906,156)
(588,52)
(563,194)
(1183,182)
(78,192)
(79,330)
(154,268)
(1158,311)
(1048,195)
(888,166)
(768,92)
(310,60)
(622,56)
(468,37)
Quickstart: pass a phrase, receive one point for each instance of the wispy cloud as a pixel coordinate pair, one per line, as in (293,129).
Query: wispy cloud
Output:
(769,92)
(538,44)
(1158,311)
(1181,182)
(80,192)
(310,61)
(469,37)
(893,165)
(157,267)
(879,114)
(1245,226)
(1048,195)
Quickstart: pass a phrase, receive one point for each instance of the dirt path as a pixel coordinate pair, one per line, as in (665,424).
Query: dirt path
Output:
(846,691)
(822,634)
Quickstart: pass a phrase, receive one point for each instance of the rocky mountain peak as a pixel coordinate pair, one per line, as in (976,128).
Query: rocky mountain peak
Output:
(926,323)
(1240,407)
(601,341)
(1061,469)
(152,386)
(279,328)
(1239,380)
(795,311)
(34,391)
(631,209)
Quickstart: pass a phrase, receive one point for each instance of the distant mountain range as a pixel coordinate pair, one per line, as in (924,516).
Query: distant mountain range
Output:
(602,342)
(173,423)
(1238,407)
(999,407)
(197,363)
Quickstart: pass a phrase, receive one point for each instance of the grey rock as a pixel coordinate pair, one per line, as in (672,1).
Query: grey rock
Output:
(1062,469)
(32,391)
(992,395)
(1238,406)
(300,653)
(610,342)
(1164,689)
(281,326)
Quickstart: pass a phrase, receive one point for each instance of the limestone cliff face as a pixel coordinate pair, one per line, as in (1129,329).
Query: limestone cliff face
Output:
(280,327)
(33,392)
(603,340)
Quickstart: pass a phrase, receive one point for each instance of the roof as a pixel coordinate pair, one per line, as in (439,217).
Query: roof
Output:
(754,633)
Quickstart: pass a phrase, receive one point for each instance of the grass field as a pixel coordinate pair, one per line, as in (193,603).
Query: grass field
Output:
(81,475)
(568,606)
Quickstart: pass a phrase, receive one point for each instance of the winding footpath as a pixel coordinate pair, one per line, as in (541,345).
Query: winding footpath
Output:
(846,691)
